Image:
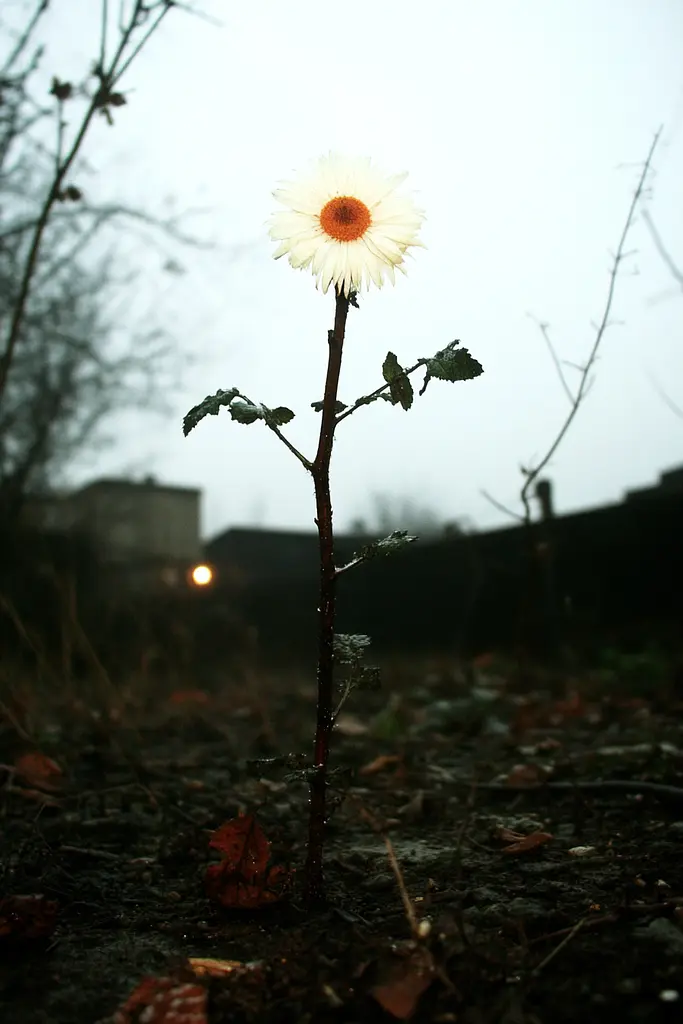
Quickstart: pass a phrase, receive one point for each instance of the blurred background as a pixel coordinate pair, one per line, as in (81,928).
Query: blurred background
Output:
(524,127)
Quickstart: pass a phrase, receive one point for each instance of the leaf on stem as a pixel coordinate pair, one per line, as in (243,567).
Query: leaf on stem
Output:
(338,407)
(211,406)
(242,411)
(349,648)
(390,545)
(452,364)
(400,388)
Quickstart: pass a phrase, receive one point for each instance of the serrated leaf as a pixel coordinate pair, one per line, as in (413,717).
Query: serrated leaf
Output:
(451,364)
(338,407)
(211,406)
(349,648)
(245,412)
(390,545)
(278,417)
(400,388)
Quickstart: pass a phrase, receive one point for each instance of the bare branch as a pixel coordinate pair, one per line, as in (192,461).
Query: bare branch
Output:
(586,381)
(543,328)
(24,38)
(669,402)
(675,271)
(501,508)
(99,101)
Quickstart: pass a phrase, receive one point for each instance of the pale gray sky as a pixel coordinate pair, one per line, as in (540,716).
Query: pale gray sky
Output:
(523,124)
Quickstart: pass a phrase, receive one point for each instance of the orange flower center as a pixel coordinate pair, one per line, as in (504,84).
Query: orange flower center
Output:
(345,218)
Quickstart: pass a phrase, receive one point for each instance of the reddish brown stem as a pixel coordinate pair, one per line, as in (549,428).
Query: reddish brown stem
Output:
(314,885)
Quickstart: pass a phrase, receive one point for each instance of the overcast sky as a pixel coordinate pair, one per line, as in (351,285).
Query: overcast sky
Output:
(523,124)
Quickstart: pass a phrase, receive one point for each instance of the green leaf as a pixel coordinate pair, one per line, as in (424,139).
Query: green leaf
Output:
(390,545)
(338,407)
(211,406)
(246,412)
(278,417)
(400,388)
(452,364)
(349,648)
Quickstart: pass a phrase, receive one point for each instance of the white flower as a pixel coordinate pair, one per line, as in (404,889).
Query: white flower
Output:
(346,221)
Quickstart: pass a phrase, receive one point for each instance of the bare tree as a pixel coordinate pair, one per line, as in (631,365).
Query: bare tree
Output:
(576,396)
(65,362)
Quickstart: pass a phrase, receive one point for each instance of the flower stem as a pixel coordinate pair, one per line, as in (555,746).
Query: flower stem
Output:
(314,886)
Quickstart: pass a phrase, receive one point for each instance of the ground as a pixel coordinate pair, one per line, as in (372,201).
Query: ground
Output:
(528,825)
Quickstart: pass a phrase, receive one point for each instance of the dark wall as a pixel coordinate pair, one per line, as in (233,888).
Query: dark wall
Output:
(615,573)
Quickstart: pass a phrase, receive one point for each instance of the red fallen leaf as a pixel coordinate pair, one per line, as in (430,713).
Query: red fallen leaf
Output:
(519,843)
(189,697)
(39,771)
(379,764)
(525,775)
(203,966)
(164,1001)
(400,994)
(245,878)
(27,917)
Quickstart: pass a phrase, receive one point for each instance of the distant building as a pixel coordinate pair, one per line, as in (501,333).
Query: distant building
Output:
(145,532)
(670,482)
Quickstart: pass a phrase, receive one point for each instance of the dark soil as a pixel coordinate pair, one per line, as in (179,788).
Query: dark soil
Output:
(586,925)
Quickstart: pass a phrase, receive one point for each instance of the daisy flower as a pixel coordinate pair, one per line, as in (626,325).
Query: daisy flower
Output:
(347,222)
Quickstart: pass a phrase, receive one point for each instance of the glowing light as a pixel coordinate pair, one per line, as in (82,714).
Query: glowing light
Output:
(201,575)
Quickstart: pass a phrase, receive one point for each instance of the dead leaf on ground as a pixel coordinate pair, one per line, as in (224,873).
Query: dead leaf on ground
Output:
(379,764)
(244,878)
(525,775)
(27,917)
(39,771)
(203,966)
(400,994)
(164,1001)
(188,697)
(519,843)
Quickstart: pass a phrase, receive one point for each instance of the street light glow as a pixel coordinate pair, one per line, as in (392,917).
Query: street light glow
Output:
(201,575)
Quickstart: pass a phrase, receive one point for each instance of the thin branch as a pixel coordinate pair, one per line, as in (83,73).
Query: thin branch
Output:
(103,33)
(23,39)
(367,399)
(145,39)
(543,328)
(675,271)
(533,474)
(106,80)
(501,508)
(669,402)
(306,463)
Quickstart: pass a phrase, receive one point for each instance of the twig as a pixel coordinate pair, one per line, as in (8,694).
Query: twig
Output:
(674,270)
(23,39)
(107,78)
(565,941)
(532,474)
(672,794)
(669,402)
(88,851)
(543,328)
(501,508)
(367,399)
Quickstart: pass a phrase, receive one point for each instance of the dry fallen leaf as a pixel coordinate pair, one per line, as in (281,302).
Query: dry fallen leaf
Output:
(407,981)
(39,771)
(244,878)
(27,917)
(379,764)
(519,843)
(164,1001)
